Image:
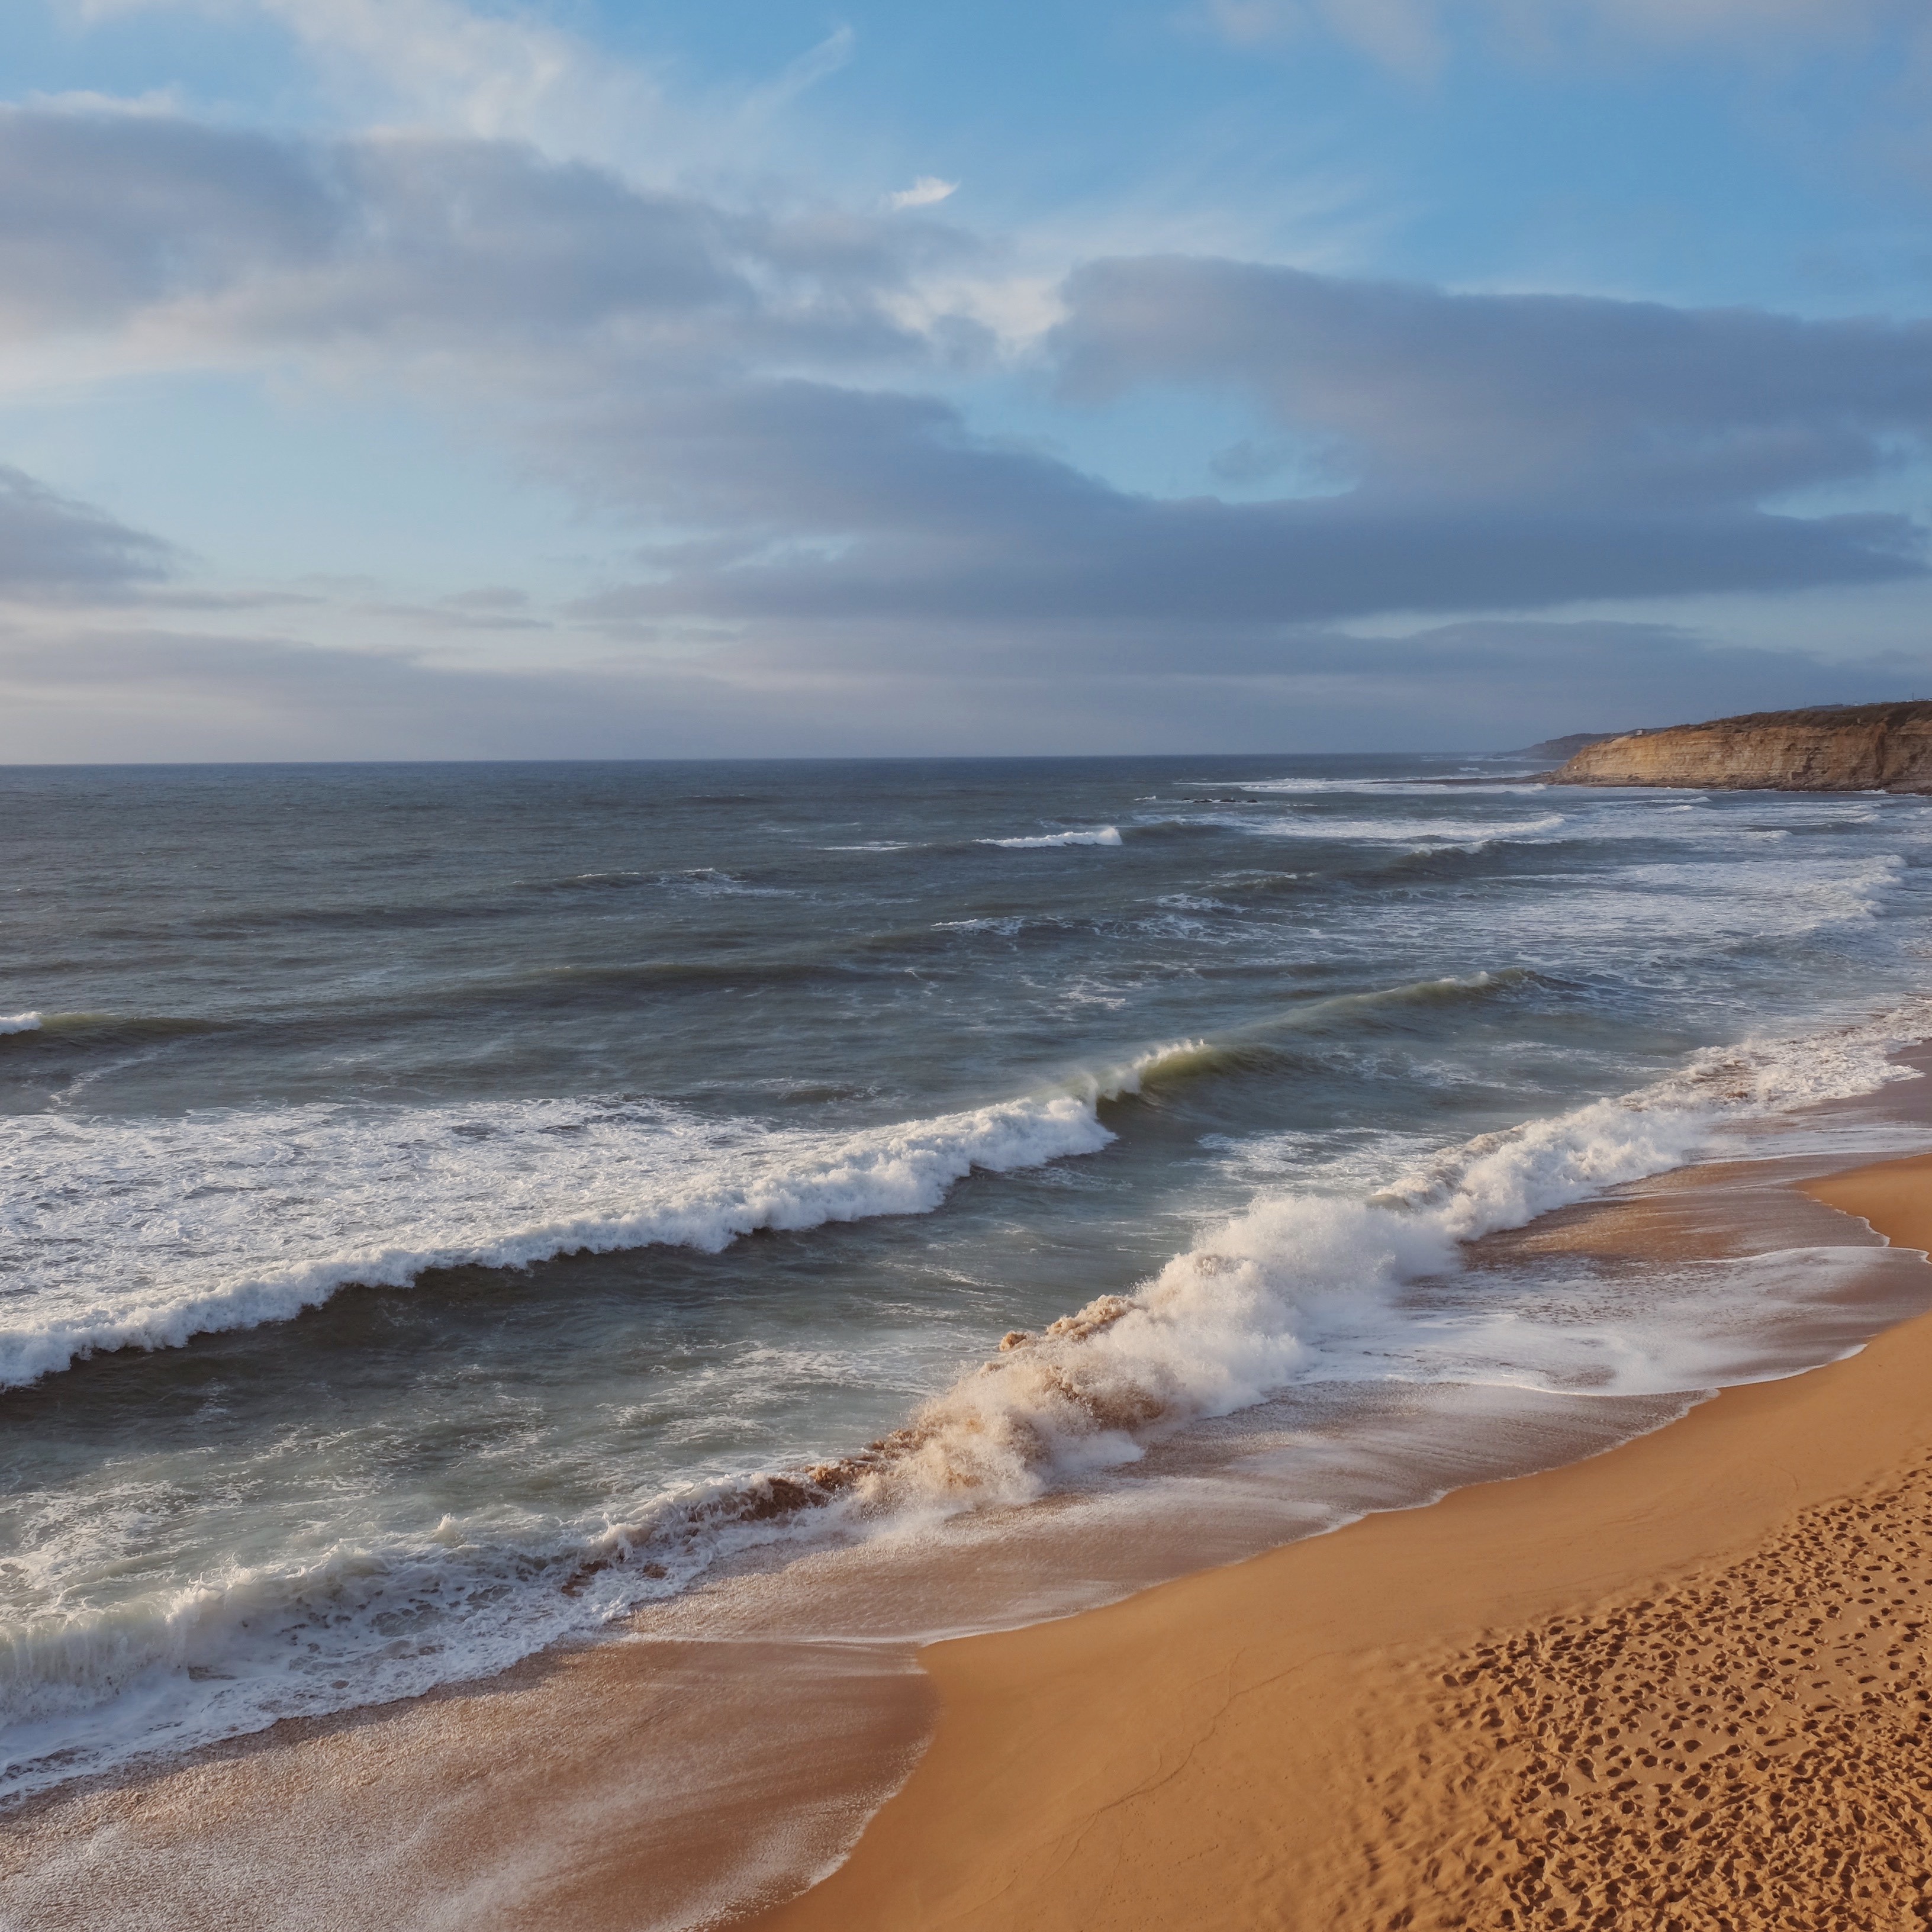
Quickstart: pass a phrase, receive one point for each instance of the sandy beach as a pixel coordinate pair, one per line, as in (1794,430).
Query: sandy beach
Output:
(1676,1685)
(1681,1685)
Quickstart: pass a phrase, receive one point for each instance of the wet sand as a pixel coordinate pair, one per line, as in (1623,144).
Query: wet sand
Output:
(1682,1685)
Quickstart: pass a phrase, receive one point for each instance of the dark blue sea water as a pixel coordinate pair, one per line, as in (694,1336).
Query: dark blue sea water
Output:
(447,1206)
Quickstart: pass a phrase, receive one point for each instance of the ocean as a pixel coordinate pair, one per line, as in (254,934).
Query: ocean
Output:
(449,1208)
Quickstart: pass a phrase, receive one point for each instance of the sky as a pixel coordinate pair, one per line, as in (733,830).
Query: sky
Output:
(413,379)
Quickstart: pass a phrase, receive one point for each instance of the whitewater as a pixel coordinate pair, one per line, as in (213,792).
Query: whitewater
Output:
(421,1250)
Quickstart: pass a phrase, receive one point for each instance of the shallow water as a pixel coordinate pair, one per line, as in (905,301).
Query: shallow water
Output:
(441,1198)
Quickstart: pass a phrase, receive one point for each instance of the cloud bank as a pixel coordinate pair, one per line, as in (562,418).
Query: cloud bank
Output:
(769,399)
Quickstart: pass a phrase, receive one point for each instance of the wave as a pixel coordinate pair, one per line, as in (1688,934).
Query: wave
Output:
(1302,1286)
(110,1029)
(229,1220)
(1100,835)
(1271,1046)
(1265,1299)
(1408,787)
(225,1221)
(1403,831)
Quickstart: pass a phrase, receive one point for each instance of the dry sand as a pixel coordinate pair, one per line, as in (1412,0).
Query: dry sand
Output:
(1682,1685)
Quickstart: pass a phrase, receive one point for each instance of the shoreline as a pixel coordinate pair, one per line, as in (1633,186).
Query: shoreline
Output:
(1055,1775)
(1415,1721)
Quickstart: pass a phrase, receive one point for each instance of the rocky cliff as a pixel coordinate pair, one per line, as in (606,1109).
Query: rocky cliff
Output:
(1836,748)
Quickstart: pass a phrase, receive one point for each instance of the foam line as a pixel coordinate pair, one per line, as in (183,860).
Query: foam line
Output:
(1100,835)
(229,1220)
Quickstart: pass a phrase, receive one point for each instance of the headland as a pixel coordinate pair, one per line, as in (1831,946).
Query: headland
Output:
(1836,748)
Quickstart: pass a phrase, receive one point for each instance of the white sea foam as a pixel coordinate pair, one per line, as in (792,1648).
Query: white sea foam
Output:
(19,1022)
(1404,831)
(1099,835)
(142,1233)
(1304,1285)
(380,1617)
(1385,788)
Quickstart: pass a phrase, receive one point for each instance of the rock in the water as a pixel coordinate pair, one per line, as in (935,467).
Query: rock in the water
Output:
(1831,748)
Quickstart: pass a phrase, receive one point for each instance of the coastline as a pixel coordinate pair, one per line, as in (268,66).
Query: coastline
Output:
(1463,1714)
(1211,1751)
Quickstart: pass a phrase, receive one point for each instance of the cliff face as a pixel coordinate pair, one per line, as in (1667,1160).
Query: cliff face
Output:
(1840,748)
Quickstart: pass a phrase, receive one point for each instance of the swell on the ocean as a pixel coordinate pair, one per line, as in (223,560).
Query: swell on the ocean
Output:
(177,1247)
(368,1193)
(1094,835)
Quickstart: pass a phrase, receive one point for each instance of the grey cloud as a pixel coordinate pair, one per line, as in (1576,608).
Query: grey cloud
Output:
(1452,397)
(717,378)
(849,505)
(1503,453)
(90,693)
(101,212)
(457,245)
(51,547)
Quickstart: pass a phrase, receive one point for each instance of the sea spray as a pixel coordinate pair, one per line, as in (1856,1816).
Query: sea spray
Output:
(1250,1308)
(170,1213)
(1097,835)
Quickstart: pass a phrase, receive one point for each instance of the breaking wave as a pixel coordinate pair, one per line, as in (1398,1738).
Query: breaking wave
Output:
(1302,1286)
(1404,831)
(1099,835)
(19,1022)
(1266,1298)
(225,1221)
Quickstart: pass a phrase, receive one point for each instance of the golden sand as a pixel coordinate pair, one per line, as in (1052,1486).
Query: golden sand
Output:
(1682,1685)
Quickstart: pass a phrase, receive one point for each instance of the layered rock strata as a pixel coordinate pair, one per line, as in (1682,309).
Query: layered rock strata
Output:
(1838,748)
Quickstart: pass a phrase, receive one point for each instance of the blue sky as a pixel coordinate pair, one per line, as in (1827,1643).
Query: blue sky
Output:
(400,378)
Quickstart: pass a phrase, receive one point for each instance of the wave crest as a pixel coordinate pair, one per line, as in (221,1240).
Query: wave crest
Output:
(1099,835)
(220,1222)
(1246,1311)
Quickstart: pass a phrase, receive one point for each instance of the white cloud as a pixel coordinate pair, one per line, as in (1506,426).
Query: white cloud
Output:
(444,66)
(439,63)
(924,193)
